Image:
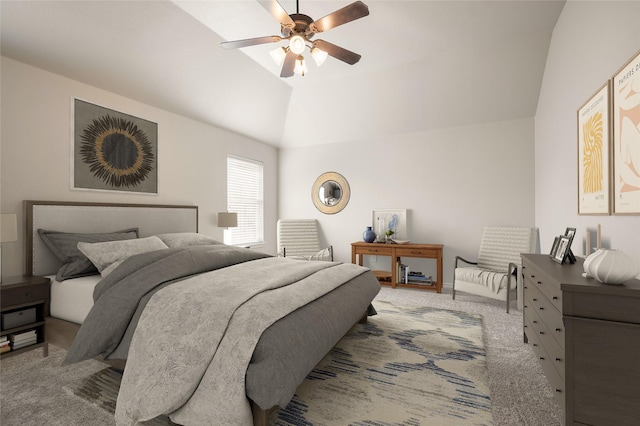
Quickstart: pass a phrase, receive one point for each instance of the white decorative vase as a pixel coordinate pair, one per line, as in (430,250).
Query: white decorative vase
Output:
(610,266)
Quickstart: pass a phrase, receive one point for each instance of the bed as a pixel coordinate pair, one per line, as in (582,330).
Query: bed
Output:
(228,353)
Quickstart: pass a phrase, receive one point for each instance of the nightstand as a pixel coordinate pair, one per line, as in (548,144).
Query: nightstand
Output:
(24,302)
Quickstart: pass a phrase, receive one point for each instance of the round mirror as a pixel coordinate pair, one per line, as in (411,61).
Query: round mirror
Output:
(330,193)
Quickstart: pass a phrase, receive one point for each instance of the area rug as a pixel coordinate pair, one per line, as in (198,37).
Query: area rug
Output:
(406,366)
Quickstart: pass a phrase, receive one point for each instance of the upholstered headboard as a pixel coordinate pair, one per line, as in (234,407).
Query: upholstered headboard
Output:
(78,217)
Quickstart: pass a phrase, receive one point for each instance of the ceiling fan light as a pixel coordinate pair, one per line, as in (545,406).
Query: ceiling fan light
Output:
(319,55)
(297,44)
(278,55)
(301,66)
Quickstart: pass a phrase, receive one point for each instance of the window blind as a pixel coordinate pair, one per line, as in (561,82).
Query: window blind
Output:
(245,197)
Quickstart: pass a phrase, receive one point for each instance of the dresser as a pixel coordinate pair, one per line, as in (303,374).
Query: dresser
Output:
(586,336)
(398,251)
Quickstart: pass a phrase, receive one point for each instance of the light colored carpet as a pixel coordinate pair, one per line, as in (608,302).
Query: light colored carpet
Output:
(519,392)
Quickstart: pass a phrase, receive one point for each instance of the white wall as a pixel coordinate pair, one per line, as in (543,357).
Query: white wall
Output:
(591,41)
(452,181)
(35,153)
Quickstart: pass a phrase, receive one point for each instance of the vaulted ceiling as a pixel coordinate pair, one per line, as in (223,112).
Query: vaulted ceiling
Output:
(425,64)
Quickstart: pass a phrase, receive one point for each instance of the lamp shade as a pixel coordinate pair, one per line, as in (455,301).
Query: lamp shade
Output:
(8,228)
(227,220)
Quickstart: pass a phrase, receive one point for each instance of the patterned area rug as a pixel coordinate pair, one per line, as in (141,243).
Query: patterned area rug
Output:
(420,366)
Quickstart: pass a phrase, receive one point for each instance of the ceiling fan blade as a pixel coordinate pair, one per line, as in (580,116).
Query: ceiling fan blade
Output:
(250,42)
(337,52)
(289,65)
(278,12)
(348,13)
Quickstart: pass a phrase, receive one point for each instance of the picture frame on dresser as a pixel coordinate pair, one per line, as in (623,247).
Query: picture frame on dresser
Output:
(554,247)
(562,252)
(570,232)
(594,154)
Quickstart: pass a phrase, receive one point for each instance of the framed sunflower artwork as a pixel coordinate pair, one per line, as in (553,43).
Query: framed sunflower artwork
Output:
(112,151)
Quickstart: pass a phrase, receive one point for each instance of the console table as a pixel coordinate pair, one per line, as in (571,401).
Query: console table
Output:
(397,251)
(587,338)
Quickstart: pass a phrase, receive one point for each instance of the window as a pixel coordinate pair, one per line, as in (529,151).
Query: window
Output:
(245,197)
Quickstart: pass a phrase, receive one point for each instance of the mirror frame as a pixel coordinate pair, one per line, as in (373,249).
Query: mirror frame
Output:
(344,185)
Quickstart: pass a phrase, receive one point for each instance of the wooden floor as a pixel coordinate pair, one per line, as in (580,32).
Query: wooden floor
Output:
(61,333)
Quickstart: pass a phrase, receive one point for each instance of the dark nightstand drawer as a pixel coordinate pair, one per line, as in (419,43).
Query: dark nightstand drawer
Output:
(19,295)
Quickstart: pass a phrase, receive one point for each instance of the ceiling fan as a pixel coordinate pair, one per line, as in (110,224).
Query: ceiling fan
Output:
(299,29)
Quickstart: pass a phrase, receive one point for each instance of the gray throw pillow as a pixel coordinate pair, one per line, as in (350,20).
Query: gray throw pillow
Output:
(64,246)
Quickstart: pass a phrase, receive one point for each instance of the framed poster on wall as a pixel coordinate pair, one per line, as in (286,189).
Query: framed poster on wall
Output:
(112,151)
(594,154)
(625,86)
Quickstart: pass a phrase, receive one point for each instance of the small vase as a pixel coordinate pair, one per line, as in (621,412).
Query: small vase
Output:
(369,236)
(610,266)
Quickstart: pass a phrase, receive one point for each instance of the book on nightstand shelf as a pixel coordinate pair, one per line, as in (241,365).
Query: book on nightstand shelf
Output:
(20,340)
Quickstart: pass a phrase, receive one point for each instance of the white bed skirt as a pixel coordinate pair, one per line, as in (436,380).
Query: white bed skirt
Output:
(71,300)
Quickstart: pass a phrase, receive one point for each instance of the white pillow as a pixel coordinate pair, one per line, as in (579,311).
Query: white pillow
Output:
(108,255)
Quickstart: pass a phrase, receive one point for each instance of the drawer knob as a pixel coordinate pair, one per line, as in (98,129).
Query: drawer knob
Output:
(535,300)
(541,308)
(558,330)
(555,297)
(539,282)
(542,358)
(542,332)
(535,344)
(558,359)
(558,390)
(532,276)
(535,322)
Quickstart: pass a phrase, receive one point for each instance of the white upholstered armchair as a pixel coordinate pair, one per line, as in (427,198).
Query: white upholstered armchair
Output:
(300,239)
(495,273)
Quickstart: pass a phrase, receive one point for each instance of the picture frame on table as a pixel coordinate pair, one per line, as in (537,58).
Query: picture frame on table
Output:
(594,153)
(563,249)
(625,96)
(395,220)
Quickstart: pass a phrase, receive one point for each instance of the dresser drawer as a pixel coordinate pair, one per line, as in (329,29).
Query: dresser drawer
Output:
(549,288)
(555,380)
(547,312)
(382,251)
(409,252)
(21,295)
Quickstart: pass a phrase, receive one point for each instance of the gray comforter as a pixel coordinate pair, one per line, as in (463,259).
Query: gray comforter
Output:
(189,354)
(120,298)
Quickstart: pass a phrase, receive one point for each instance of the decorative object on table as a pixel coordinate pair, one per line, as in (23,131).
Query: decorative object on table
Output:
(113,151)
(388,223)
(330,192)
(625,88)
(594,153)
(369,235)
(610,266)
